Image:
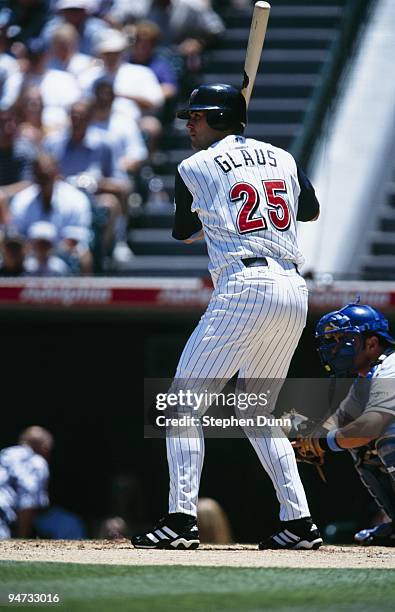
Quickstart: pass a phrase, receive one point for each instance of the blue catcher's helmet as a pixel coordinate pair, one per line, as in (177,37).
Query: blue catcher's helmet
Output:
(336,335)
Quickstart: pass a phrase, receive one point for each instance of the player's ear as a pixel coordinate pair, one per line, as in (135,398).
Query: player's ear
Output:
(372,343)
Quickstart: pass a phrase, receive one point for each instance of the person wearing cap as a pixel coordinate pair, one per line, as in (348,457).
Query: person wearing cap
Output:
(53,200)
(136,87)
(13,251)
(24,477)
(41,260)
(77,13)
(189,28)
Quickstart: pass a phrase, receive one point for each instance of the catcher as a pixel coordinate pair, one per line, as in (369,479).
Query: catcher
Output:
(355,342)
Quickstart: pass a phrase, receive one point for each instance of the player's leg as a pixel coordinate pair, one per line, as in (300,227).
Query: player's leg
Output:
(211,357)
(377,472)
(266,368)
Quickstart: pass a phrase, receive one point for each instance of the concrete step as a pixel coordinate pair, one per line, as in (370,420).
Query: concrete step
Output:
(150,241)
(273,55)
(266,83)
(164,265)
(235,65)
(282,38)
(387,221)
(300,16)
(378,267)
(382,243)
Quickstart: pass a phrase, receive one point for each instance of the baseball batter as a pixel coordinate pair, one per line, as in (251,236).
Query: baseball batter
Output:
(244,197)
(356,340)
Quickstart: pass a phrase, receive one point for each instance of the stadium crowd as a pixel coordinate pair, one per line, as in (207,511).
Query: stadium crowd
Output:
(88,88)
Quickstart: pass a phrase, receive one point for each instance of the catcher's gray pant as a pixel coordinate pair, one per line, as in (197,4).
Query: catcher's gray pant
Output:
(252,325)
(376,469)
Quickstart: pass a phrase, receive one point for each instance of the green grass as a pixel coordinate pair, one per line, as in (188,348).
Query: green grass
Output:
(188,589)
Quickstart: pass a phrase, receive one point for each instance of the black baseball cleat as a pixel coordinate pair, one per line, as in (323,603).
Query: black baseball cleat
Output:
(381,535)
(176,531)
(294,535)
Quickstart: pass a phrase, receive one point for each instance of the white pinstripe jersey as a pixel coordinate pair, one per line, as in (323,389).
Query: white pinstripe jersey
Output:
(245,193)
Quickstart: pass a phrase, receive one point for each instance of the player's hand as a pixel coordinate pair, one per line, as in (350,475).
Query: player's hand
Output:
(309,450)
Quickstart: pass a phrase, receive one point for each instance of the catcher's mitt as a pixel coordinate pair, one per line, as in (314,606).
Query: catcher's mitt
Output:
(309,450)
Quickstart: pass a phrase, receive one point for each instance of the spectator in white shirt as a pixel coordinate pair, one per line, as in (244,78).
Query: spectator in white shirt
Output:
(136,88)
(59,89)
(77,13)
(53,200)
(64,54)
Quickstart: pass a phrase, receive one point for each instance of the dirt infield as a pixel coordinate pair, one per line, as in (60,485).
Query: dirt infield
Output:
(237,555)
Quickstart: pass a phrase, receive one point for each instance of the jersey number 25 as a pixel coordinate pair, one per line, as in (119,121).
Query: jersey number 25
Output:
(279,215)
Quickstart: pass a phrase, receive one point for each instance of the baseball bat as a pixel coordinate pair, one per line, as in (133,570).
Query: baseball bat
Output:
(260,17)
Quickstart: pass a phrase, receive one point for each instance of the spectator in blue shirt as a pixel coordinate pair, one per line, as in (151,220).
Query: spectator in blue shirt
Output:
(16,157)
(162,62)
(86,160)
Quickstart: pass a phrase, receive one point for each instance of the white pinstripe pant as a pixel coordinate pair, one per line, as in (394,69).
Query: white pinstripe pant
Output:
(252,325)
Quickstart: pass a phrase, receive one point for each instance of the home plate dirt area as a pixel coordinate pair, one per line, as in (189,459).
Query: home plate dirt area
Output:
(121,552)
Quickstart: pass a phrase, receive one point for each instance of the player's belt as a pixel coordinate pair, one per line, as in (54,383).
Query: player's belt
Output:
(255,261)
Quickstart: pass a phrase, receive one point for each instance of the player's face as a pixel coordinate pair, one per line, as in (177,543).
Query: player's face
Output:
(200,133)
(364,355)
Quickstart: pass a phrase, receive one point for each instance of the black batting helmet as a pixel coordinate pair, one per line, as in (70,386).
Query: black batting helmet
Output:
(225,106)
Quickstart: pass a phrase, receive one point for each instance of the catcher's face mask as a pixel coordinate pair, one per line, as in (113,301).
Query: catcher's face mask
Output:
(337,351)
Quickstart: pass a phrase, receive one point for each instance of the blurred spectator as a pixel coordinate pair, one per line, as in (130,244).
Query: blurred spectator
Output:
(64,54)
(123,11)
(82,158)
(41,260)
(126,508)
(213,523)
(29,17)
(58,88)
(107,124)
(145,52)
(136,87)
(114,528)
(29,113)
(51,199)
(77,13)
(190,26)
(13,250)
(16,157)
(24,481)
(59,524)
(8,64)
(68,248)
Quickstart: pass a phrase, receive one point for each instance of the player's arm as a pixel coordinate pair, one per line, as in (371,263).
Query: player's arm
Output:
(187,225)
(308,205)
(367,427)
